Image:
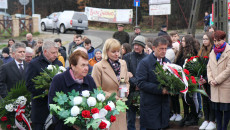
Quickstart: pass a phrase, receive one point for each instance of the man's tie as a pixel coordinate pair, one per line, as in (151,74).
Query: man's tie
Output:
(21,68)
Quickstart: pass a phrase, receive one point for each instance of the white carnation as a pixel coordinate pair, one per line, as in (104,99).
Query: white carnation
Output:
(22,100)
(50,67)
(107,122)
(75,111)
(91,101)
(111,104)
(77,100)
(194,60)
(9,107)
(85,93)
(62,68)
(100,97)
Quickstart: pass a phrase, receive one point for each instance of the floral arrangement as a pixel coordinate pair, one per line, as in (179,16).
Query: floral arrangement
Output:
(196,65)
(88,110)
(176,80)
(15,108)
(44,80)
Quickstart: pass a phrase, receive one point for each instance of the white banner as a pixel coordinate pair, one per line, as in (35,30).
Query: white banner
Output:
(109,15)
(163,9)
(3,4)
(156,2)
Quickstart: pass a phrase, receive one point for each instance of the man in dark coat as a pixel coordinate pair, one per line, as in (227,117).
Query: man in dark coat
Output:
(154,102)
(163,30)
(121,35)
(132,59)
(137,31)
(13,72)
(79,42)
(40,109)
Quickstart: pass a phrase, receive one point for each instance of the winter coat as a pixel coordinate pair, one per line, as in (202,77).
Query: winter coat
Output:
(62,50)
(65,83)
(154,106)
(121,36)
(105,77)
(220,72)
(40,109)
(93,61)
(70,46)
(132,60)
(7,59)
(91,53)
(132,37)
(161,33)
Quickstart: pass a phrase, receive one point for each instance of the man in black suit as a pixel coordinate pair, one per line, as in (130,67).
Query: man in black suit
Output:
(13,72)
(40,109)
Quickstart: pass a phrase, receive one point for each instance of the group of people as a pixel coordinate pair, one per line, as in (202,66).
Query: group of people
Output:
(132,58)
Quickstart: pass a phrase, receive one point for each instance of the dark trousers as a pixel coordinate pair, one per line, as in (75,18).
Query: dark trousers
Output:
(220,115)
(175,104)
(131,115)
(209,113)
(38,126)
(190,104)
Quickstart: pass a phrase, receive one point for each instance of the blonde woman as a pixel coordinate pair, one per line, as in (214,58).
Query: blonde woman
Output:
(107,74)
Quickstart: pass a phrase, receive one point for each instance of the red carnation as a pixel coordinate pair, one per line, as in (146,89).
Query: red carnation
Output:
(85,114)
(19,118)
(8,126)
(187,78)
(112,118)
(108,108)
(194,81)
(206,57)
(192,77)
(4,118)
(186,71)
(196,56)
(102,125)
(94,110)
(191,58)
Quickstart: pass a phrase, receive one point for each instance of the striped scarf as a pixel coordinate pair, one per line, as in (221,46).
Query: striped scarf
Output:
(218,51)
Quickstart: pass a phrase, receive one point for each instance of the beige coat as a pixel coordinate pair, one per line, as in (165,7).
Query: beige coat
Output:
(105,77)
(220,72)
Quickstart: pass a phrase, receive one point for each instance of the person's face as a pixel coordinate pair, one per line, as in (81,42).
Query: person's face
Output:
(98,55)
(113,54)
(28,57)
(206,14)
(218,43)
(10,43)
(138,48)
(137,30)
(174,38)
(211,30)
(29,37)
(19,54)
(123,51)
(165,29)
(51,54)
(183,42)
(206,41)
(59,44)
(5,55)
(81,69)
(39,44)
(120,28)
(160,51)
(178,37)
(78,40)
(87,46)
(148,50)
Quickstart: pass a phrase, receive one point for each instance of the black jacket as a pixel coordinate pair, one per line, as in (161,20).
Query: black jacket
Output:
(40,109)
(132,59)
(62,50)
(154,106)
(121,36)
(9,76)
(161,33)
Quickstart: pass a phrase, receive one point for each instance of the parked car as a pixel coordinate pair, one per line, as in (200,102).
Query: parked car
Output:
(47,23)
(69,20)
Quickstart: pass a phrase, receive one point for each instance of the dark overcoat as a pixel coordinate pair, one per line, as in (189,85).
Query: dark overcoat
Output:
(154,106)
(40,109)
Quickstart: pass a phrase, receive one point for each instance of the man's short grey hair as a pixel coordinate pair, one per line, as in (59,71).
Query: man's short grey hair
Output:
(18,45)
(49,44)
(160,40)
(29,50)
(81,49)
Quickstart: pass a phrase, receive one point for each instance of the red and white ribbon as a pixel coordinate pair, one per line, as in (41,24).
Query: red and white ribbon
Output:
(20,111)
